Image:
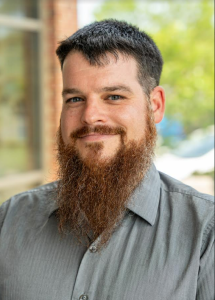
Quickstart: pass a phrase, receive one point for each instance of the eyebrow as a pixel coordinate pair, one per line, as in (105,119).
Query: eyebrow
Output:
(70,91)
(123,88)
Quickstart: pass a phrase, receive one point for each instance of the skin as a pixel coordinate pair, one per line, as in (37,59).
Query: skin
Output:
(109,95)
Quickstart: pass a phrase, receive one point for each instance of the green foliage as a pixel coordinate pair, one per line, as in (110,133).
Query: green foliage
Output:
(183,31)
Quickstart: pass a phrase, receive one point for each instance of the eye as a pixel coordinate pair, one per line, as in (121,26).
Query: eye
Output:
(115,97)
(74,100)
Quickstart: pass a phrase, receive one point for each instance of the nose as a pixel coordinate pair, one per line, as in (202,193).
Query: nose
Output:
(93,113)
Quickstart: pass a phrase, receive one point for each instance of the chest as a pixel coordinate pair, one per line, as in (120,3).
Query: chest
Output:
(136,264)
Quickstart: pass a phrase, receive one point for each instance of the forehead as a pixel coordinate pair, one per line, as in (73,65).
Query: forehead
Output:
(77,70)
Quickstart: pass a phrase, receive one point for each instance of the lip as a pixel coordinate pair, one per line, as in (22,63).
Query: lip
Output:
(91,137)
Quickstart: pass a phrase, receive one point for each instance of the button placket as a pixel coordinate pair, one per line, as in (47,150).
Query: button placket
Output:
(86,269)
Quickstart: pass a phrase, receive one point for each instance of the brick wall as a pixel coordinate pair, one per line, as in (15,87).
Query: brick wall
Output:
(60,21)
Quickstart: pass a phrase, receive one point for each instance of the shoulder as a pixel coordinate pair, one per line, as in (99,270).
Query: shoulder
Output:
(190,211)
(39,201)
(187,203)
(173,187)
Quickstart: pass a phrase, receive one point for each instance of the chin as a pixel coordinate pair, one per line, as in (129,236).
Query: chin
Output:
(100,158)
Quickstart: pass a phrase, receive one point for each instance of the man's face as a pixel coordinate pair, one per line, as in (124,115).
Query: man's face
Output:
(108,95)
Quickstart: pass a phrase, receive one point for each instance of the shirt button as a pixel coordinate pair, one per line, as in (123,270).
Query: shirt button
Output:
(93,249)
(83,297)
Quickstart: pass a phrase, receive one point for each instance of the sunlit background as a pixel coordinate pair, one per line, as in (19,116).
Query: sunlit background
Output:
(30,84)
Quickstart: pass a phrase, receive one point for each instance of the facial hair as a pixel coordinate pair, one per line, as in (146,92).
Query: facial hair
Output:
(93,193)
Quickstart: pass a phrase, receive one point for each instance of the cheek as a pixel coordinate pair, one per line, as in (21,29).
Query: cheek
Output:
(68,123)
(69,117)
(133,119)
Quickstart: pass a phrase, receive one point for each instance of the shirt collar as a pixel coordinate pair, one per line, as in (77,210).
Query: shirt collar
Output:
(145,199)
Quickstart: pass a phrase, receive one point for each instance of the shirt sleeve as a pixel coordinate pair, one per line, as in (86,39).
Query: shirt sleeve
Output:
(205,287)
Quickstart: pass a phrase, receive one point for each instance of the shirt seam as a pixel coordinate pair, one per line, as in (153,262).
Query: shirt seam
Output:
(186,193)
(205,233)
(4,216)
(40,189)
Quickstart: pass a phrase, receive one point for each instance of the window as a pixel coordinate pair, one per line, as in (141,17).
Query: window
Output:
(20,8)
(19,105)
(20,130)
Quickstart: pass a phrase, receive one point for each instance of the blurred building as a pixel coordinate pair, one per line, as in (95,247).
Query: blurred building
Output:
(30,89)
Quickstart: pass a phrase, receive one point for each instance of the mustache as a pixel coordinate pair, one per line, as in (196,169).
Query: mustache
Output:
(102,129)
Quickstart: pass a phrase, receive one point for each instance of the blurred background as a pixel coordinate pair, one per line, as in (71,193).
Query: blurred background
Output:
(30,84)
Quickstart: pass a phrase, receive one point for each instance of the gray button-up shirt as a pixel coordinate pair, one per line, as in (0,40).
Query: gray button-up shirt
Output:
(163,250)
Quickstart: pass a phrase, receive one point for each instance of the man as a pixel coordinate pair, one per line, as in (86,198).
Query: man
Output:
(112,227)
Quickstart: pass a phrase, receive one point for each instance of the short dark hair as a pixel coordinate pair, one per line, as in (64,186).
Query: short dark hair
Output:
(98,39)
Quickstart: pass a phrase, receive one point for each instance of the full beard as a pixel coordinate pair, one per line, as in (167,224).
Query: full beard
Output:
(93,194)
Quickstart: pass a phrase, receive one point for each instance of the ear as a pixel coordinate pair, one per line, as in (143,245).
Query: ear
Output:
(157,98)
